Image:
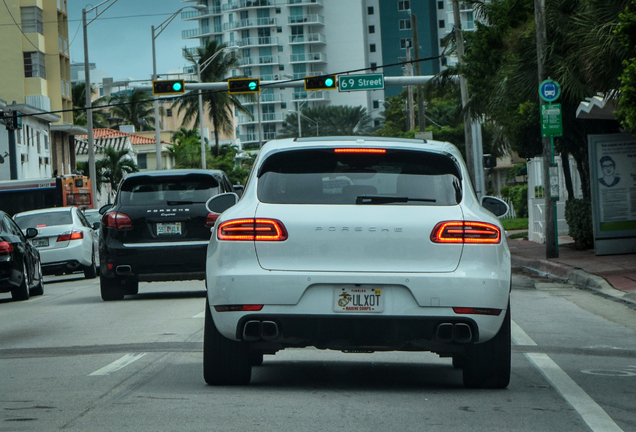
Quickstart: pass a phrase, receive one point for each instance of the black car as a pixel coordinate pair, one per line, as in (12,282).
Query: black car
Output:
(158,229)
(20,268)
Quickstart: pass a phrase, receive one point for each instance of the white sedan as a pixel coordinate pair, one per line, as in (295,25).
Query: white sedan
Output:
(66,240)
(358,244)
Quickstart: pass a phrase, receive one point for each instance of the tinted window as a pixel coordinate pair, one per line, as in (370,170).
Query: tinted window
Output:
(44,219)
(192,188)
(327,177)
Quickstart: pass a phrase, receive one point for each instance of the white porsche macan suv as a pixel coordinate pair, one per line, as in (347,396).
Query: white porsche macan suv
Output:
(358,244)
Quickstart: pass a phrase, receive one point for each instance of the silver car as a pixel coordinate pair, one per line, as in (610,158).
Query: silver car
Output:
(66,240)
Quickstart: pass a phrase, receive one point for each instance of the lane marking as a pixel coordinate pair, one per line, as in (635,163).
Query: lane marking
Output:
(595,417)
(520,337)
(201,315)
(118,364)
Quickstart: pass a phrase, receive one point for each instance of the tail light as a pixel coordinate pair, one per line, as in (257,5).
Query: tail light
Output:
(210,220)
(360,150)
(238,308)
(252,229)
(477,311)
(73,235)
(5,247)
(465,232)
(117,220)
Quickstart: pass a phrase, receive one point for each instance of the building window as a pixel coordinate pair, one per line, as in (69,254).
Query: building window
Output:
(371,29)
(370,10)
(376,104)
(169,112)
(441,24)
(283,105)
(374,66)
(440,5)
(405,24)
(404,5)
(372,48)
(405,43)
(377,123)
(32,21)
(34,65)
(142,161)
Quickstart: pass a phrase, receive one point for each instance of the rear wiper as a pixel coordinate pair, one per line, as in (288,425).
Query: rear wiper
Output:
(386,199)
(184,202)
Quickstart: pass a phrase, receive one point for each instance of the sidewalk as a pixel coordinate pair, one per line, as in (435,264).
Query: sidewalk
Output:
(612,275)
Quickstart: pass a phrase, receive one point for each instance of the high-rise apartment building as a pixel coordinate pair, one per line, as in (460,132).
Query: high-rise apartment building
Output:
(291,39)
(36,73)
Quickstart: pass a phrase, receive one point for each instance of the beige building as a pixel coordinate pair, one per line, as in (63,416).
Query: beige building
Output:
(36,71)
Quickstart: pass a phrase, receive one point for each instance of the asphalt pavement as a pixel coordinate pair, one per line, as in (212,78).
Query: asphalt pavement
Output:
(610,275)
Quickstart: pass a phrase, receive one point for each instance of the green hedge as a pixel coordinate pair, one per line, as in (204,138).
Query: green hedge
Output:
(519,197)
(578,215)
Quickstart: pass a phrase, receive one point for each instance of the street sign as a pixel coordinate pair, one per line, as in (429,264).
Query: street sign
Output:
(549,90)
(551,125)
(347,83)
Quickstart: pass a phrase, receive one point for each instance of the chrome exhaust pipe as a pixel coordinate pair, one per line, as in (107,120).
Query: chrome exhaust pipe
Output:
(445,332)
(462,333)
(252,331)
(269,330)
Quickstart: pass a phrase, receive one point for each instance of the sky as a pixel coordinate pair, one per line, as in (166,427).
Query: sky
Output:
(120,40)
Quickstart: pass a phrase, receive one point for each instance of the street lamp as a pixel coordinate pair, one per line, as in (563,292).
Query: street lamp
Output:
(92,172)
(306,118)
(201,68)
(156,31)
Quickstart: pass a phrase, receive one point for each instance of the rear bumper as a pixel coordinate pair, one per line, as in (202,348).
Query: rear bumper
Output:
(61,267)
(76,253)
(155,262)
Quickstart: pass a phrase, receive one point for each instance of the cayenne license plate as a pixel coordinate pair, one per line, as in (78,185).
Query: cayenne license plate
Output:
(169,228)
(43,242)
(357,299)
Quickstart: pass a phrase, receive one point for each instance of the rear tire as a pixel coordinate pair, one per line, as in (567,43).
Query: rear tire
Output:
(225,362)
(90,272)
(39,288)
(487,365)
(22,291)
(256,358)
(110,288)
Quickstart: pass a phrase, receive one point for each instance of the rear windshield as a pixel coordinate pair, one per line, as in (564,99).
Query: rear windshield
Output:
(188,189)
(43,219)
(399,177)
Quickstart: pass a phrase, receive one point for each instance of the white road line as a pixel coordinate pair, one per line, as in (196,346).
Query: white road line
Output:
(200,315)
(118,364)
(592,414)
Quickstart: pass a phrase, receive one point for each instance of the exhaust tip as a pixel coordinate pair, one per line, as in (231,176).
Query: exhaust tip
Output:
(463,333)
(252,331)
(123,270)
(269,330)
(445,332)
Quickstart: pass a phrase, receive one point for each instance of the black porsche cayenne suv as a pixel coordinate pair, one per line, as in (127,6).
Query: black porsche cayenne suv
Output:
(158,229)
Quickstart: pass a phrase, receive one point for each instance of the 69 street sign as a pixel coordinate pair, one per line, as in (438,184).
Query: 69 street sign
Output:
(347,83)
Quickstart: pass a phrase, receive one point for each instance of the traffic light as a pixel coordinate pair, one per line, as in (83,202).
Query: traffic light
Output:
(168,87)
(490,161)
(243,85)
(322,82)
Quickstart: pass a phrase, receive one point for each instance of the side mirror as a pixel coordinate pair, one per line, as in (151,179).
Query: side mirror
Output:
(103,209)
(239,190)
(96,225)
(222,202)
(494,205)
(31,233)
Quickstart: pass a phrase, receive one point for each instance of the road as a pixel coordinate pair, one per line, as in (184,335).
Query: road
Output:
(70,361)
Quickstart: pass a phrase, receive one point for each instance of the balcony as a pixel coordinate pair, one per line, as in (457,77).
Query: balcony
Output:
(62,6)
(249,23)
(265,118)
(306,19)
(258,41)
(245,4)
(304,96)
(266,98)
(308,58)
(201,32)
(66,89)
(196,14)
(191,51)
(314,38)
(259,61)
(63,45)
(308,3)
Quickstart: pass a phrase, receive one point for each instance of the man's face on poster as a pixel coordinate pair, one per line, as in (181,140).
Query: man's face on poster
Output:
(608,168)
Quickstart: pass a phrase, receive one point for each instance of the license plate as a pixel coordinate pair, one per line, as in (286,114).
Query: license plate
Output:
(357,299)
(43,242)
(169,228)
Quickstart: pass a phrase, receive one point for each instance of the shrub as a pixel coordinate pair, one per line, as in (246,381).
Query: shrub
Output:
(519,197)
(578,215)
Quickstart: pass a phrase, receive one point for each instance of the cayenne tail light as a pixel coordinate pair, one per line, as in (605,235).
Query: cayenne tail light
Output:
(477,311)
(465,232)
(117,220)
(256,229)
(5,247)
(73,235)
(211,218)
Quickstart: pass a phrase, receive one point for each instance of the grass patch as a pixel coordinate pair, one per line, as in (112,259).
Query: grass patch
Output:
(515,224)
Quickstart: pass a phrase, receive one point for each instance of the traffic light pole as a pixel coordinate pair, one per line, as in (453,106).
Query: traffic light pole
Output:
(157,119)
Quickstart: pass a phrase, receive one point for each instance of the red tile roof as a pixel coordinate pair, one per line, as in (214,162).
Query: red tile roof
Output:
(99,133)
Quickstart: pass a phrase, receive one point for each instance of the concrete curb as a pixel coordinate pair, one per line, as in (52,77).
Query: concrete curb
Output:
(574,276)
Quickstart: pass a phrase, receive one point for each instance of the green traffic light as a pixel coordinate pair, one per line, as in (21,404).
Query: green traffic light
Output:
(329,82)
(176,86)
(252,85)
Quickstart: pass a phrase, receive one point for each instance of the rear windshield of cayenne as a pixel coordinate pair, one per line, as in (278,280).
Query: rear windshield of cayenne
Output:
(44,219)
(171,190)
(396,177)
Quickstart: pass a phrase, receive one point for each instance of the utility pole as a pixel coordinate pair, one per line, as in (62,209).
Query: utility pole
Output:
(409,91)
(421,104)
(463,86)
(550,228)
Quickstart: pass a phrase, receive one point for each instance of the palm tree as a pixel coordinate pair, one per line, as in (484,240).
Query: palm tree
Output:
(331,121)
(113,167)
(133,107)
(217,104)
(78,95)
(186,148)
